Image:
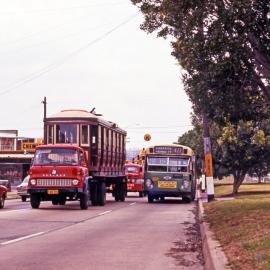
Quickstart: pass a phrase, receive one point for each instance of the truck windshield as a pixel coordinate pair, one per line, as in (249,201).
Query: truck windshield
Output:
(56,156)
(131,169)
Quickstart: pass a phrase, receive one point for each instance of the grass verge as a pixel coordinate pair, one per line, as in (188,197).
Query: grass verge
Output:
(242,226)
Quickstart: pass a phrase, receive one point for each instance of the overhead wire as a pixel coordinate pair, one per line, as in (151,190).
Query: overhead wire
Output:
(60,62)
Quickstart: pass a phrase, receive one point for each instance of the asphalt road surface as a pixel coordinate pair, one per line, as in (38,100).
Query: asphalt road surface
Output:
(121,235)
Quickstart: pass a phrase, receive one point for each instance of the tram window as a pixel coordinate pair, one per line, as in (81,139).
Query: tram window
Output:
(66,133)
(85,135)
(50,134)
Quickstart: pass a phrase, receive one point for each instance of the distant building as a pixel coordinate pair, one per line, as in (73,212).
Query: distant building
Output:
(8,140)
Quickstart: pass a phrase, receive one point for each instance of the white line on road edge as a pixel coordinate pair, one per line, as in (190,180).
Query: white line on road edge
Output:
(132,203)
(21,238)
(104,213)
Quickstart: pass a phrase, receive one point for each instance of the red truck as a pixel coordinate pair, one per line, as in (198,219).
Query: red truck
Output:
(81,156)
(134,173)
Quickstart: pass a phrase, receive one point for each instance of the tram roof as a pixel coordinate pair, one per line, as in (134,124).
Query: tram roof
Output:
(75,114)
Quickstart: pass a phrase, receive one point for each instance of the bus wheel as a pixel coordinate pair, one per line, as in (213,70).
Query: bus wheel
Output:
(141,194)
(93,194)
(62,201)
(35,201)
(23,198)
(101,194)
(150,198)
(186,199)
(84,201)
(54,202)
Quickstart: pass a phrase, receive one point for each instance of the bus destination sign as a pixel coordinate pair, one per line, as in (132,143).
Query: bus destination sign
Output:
(168,150)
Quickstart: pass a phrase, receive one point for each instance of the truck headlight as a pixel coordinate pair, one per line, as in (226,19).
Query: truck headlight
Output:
(75,182)
(33,182)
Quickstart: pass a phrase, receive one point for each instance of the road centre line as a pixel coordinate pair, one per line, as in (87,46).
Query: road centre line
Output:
(15,210)
(132,203)
(21,238)
(104,213)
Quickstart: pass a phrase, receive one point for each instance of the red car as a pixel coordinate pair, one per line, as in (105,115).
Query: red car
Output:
(3,195)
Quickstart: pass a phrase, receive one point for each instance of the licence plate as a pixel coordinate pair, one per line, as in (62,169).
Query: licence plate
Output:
(167,184)
(53,192)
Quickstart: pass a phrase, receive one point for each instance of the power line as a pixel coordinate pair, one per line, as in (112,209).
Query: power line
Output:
(60,62)
(59,9)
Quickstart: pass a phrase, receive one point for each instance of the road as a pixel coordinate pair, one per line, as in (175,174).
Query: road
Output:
(121,235)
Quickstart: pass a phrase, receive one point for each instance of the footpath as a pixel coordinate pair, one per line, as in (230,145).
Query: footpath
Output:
(214,257)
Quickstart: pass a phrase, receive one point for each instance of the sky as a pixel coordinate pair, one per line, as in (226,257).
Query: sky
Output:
(82,54)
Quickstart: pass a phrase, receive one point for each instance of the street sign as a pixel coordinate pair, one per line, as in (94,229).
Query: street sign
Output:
(147,137)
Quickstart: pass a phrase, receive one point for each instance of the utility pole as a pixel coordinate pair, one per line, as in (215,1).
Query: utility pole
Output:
(208,161)
(44,119)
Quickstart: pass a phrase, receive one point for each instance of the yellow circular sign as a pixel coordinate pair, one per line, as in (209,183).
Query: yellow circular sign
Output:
(147,137)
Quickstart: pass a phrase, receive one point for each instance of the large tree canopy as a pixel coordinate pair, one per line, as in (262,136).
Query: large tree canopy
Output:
(223,47)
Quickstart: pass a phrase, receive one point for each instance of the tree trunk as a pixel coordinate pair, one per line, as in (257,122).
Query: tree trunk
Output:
(259,179)
(238,180)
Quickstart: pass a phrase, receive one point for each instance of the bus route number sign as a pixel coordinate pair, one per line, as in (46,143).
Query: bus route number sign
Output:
(168,150)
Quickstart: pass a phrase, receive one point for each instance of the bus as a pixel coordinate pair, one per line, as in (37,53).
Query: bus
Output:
(169,171)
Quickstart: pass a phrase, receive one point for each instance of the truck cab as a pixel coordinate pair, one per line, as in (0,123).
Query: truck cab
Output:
(135,181)
(59,173)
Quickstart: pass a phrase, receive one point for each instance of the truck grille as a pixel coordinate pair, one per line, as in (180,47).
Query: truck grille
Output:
(54,182)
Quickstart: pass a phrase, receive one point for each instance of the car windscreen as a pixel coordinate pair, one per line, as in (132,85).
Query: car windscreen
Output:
(56,156)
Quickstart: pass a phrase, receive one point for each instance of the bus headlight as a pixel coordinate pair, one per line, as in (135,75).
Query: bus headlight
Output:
(33,182)
(75,182)
(148,183)
(185,184)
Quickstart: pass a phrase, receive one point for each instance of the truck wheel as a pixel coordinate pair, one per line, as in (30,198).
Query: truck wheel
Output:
(101,194)
(122,192)
(150,198)
(84,201)
(2,202)
(141,194)
(23,198)
(35,201)
(93,194)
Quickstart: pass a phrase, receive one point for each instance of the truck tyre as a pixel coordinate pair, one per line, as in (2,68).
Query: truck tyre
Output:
(93,194)
(101,194)
(2,202)
(150,199)
(23,198)
(84,201)
(122,192)
(35,201)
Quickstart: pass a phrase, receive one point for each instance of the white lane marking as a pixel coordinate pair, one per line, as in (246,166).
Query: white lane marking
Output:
(104,213)
(21,238)
(132,203)
(16,210)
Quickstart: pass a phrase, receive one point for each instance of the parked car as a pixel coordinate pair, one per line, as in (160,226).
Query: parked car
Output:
(3,195)
(6,183)
(22,189)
